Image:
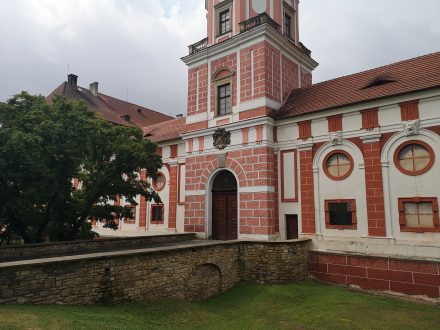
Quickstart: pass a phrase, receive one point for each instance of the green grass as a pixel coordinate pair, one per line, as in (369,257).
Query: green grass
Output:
(305,305)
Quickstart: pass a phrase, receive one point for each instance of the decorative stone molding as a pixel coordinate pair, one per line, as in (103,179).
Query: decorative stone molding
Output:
(411,127)
(371,137)
(221,159)
(335,138)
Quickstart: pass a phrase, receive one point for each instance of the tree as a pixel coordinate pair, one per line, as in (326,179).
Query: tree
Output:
(43,147)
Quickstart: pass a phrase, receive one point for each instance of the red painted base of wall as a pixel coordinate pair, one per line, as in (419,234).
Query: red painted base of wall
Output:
(407,276)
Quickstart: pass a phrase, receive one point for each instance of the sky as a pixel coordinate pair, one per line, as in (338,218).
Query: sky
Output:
(133,47)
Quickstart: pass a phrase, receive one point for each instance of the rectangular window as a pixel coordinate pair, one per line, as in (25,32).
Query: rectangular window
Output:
(418,214)
(288,25)
(157,213)
(340,214)
(225,22)
(224,99)
(132,210)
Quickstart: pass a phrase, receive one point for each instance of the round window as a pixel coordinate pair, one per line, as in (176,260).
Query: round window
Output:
(338,165)
(159,182)
(414,158)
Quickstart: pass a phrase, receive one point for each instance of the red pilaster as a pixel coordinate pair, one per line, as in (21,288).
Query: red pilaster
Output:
(173,197)
(307,192)
(374,185)
(143,205)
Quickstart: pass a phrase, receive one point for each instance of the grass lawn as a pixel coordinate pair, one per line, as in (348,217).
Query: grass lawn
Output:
(305,305)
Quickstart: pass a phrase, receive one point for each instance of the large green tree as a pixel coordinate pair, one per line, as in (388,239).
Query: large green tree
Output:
(43,147)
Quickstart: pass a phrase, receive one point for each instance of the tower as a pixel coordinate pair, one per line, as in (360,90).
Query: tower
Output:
(238,77)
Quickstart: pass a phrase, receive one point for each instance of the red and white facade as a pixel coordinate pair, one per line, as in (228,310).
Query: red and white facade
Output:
(351,163)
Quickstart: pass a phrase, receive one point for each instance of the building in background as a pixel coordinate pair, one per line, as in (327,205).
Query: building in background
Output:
(351,163)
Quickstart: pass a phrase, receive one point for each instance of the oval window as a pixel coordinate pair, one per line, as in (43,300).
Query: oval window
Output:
(414,158)
(159,182)
(338,165)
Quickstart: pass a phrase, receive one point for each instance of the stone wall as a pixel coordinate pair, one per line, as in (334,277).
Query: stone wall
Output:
(14,252)
(191,271)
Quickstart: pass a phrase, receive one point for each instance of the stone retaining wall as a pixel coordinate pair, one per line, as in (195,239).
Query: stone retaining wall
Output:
(14,252)
(190,271)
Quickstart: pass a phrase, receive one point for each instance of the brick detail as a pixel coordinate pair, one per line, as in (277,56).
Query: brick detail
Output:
(190,146)
(334,123)
(307,192)
(290,79)
(173,151)
(259,133)
(266,72)
(199,105)
(253,167)
(370,119)
(197,126)
(245,135)
(409,110)
(255,113)
(306,78)
(377,273)
(172,210)
(143,205)
(374,189)
(201,143)
(305,130)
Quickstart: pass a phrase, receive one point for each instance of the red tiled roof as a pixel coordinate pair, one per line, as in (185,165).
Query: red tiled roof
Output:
(110,108)
(412,75)
(165,131)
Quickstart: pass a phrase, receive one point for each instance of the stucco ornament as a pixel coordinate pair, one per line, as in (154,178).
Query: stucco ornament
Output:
(335,138)
(411,127)
(222,138)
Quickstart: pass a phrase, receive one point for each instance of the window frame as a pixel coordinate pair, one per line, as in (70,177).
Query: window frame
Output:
(289,11)
(337,178)
(435,221)
(328,225)
(220,8)
(157,222)
(154,182)
(128,220)
(219,98)
(222,32)
(418,172)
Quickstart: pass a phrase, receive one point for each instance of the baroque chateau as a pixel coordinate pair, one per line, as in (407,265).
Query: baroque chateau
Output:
(265,154)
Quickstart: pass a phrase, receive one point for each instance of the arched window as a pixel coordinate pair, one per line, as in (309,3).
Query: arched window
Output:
(224,181)
(338,165)
(414,158)
(159,182)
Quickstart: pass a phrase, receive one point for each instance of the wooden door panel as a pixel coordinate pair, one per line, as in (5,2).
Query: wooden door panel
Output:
(219,207)
(233,215)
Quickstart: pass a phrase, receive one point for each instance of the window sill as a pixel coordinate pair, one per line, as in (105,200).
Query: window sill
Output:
(419,230)
(340,227)
(223,34)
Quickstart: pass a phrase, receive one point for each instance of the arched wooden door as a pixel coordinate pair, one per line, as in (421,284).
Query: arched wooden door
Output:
(224,207)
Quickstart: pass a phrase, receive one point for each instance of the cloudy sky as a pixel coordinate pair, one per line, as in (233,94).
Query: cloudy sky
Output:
(133,47)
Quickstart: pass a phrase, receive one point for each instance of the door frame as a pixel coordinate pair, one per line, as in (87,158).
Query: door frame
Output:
(208,202)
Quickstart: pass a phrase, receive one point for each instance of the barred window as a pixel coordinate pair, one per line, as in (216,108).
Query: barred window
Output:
(418,214)
(341,214)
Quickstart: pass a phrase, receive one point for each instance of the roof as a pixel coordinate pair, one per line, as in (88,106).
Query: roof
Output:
(109,108)
(412,75)
(165,131)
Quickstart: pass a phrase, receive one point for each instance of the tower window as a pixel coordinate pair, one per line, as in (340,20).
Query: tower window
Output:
(224,99)
(225,22)
(288,25)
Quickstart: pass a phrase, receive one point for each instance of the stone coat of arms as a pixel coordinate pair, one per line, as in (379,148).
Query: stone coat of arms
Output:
(222,138)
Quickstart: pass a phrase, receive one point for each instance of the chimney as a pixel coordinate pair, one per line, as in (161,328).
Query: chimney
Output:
(93,87)
(72,80)
(179,115)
